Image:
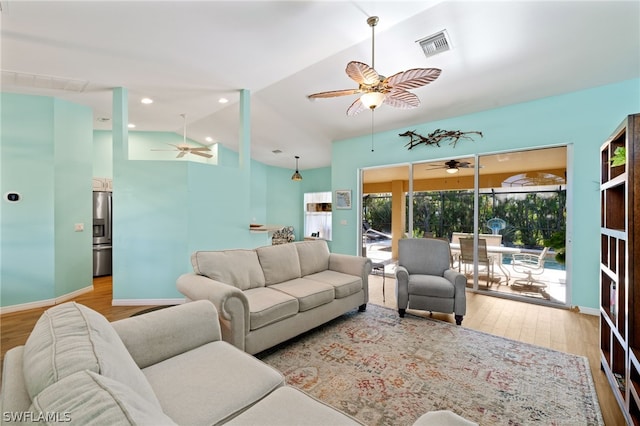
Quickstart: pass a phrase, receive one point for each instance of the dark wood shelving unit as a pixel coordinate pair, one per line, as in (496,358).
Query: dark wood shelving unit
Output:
(619,281)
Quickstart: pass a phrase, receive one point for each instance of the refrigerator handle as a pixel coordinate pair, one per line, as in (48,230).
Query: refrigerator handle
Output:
(110,216)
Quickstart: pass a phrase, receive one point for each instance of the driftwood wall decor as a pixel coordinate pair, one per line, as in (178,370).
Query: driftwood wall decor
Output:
(437,136)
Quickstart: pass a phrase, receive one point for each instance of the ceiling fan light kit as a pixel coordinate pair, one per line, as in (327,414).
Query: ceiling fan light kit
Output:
(296,175)
(375,89)
(372,100)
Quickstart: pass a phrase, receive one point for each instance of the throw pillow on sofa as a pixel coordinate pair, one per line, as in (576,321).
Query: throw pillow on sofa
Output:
(87,398)
(69,338)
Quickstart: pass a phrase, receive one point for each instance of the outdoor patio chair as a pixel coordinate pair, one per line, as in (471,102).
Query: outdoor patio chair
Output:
(531,265)
(425,280)
(467,257)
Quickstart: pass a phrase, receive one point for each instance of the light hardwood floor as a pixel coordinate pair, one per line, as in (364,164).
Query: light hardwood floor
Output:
(553,328)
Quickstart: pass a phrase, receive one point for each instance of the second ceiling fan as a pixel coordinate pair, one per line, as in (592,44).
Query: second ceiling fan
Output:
(377,89)
(184,148)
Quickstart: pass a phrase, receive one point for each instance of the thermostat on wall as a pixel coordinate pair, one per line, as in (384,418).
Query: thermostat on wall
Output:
(12,197)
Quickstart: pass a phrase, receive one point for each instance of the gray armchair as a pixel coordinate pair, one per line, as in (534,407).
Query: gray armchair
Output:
(425,279)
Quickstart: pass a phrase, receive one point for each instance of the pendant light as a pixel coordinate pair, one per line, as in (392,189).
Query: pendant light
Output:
(296,176)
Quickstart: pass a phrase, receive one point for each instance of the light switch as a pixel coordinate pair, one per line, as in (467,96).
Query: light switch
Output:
(78,227)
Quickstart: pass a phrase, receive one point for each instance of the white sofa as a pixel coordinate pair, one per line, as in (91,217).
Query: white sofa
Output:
(268,295)
(162,368)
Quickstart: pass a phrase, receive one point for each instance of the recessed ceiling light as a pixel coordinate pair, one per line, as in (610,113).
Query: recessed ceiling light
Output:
(131,126)
(146,101)
(223,100)
(208,139)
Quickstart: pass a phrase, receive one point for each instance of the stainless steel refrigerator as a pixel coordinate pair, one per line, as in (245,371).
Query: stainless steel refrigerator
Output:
(102,249)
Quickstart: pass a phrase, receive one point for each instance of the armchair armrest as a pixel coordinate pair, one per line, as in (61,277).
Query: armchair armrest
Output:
(165,333)
(402,287)
(525,259)
(230,301)
(460,283)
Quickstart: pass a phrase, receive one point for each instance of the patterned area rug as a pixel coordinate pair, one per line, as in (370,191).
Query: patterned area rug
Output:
(386,370)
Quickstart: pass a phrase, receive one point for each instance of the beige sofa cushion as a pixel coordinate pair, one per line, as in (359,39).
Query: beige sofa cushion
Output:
(69,338)
(239,268)
(314,256)
(267,306)
(289,406)
(279,263)
(224,382)
(310,294)
(87,398)
(344,284)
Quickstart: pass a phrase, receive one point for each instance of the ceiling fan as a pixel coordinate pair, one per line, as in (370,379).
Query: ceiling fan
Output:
(452,166)
(184,148)
(377,89)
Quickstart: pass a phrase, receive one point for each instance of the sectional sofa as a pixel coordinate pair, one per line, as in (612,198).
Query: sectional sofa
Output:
(166,367)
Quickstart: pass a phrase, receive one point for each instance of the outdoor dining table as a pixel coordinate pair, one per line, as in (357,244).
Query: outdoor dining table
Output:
(499,250)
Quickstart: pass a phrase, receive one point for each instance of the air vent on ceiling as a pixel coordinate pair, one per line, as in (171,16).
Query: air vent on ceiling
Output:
(41,81)
(435,43)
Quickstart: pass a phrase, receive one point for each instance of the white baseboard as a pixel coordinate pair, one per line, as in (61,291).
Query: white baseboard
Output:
(146,302)
(44,303)
(589,311)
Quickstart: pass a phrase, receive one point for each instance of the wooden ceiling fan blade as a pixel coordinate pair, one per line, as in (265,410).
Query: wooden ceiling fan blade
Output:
(181,154)
(201,154)
(413,78)
(402,99)
(199,148)
(334,93)
(362,73)
(355,108)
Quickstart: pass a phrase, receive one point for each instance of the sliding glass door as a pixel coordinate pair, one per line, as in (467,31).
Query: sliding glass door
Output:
(509,209)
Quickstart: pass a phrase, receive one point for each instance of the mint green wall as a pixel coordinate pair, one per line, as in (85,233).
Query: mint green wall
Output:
(46,151)
(316,180)
(284,200)
(102,154)
(73,202)
(584,119)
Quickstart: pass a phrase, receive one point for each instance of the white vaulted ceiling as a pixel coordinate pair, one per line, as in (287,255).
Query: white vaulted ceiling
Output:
(186,55)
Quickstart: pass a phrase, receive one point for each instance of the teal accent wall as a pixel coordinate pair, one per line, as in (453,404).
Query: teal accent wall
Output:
(584,119)
(46,151)
(102,154)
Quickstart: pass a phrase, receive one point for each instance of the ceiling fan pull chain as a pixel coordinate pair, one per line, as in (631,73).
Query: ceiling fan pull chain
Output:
(184,128)
(372,111)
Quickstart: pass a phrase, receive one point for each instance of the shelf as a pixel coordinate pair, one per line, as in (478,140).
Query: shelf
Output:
(615,182)
(619,287)
(265,228)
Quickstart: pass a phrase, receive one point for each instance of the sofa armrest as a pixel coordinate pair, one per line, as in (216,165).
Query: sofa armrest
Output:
(402,287)
(460,283)
(232,304)
(165,333)
(353,265)
(14,397)
(348,264)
